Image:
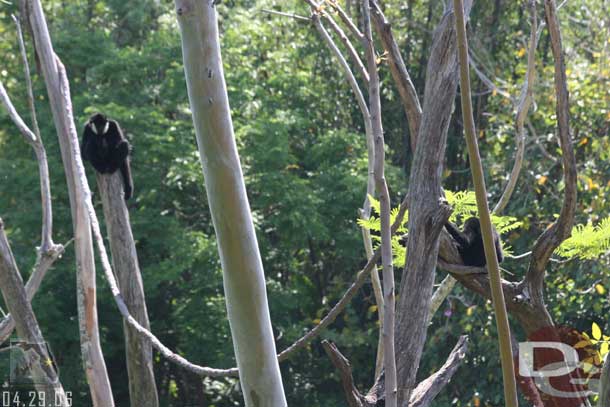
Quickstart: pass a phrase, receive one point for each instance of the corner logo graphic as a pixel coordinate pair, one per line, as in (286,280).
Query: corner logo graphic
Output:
(561,364)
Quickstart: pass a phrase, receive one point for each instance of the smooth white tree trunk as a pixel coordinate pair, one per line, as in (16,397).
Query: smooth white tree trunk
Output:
(244,279)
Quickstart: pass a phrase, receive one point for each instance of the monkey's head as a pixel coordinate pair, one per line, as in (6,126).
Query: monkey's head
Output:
(99,124)
(472,226)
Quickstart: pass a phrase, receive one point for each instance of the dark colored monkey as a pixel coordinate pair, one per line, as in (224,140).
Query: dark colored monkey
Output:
(470,242)
(105,147)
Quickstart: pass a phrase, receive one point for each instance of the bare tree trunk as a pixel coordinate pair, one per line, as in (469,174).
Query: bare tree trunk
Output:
(244,280)
(604,385)
(61,107)
(138,349)
(389,299)
(34,348)
(427,211)
(48,251)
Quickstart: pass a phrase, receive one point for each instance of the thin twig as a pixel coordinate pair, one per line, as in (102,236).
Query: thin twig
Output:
(347,20)
(25,131)
(525,101)
(28,77)
(41,154)
(441,293)
(519,256)
(349,46)
(488,82)
(317,10)
(391,387)
(561,229)
(330,43)
(398,69)
(291,15)
(370,188)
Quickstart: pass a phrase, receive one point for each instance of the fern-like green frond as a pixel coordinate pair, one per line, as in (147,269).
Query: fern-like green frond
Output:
(587,241)
(464,206)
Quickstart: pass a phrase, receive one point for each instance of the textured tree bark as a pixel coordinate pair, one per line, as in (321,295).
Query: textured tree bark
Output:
(604,385)
(243,275)
(58,90)
(427,211)
(34,348)
(138,349)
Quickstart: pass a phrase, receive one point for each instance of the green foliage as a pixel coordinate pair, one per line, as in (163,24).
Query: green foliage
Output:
(587,241)
(464,206)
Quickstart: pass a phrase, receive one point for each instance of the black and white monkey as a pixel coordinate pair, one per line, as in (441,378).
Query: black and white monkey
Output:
(105,147)
(470,242)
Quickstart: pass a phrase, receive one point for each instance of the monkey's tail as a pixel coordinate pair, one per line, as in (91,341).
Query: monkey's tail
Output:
(127,181)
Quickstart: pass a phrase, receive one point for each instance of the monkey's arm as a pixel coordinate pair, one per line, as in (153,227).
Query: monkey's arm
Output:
(498,245)
(119,146)
(85,147)
(127,180)
(120,157)
(457,235)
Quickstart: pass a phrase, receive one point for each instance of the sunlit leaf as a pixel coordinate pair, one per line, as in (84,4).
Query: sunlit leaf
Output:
(596,331)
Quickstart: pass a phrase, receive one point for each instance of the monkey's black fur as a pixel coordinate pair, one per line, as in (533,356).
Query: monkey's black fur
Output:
(470,242)
(105,147)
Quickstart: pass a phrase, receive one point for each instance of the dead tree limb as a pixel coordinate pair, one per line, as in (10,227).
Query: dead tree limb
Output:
(427,208)
(138,349)
(381,185)
(44,261)
(48,251)
(400,74)
(353,396)
(58,89)
(422,396)
(428,389)
(604,385)
(525,101)
(561,229)
(365,212)
(35,351)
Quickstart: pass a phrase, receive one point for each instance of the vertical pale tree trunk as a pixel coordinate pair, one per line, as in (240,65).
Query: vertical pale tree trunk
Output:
(244,279)
(61,107)
(389,299)
(138,349)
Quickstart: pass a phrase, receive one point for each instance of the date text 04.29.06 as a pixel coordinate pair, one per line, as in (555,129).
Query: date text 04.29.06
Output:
(31,398)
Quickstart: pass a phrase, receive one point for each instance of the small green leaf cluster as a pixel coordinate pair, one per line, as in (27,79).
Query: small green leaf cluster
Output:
(464,206)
